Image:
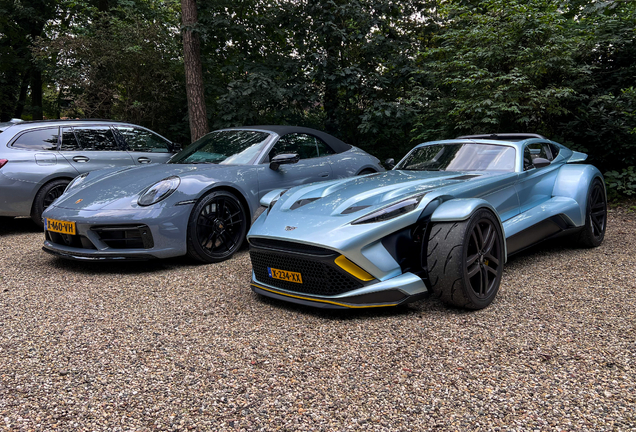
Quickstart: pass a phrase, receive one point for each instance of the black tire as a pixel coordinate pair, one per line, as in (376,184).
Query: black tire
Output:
(217,227)
(45,196)
(593,232)
(465,260)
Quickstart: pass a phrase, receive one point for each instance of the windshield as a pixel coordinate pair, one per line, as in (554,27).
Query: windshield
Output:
(460,157)
(229,147)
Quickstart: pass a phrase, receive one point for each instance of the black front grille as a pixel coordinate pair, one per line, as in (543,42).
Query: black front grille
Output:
(77,241)
(319,277)
(287,246)
(125,236)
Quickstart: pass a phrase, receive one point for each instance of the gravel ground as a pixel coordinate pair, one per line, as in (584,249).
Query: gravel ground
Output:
(175,346)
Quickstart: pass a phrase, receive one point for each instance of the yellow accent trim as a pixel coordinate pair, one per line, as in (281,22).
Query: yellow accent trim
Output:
(322,301)
(352,268)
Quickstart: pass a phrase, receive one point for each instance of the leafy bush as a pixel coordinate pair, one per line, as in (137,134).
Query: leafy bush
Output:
(621,183)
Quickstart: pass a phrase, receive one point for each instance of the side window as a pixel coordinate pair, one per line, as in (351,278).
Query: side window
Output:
(541,150)
(99,138)
(40,139)
(69,142)
(303,144)
(143,141)
(527,159)
(323,149)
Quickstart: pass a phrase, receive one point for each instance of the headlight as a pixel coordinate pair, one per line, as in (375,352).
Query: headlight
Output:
(160,190)
(76,182)
(392,211)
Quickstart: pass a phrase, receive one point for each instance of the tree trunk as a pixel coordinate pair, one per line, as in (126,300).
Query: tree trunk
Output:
(19,109)
(36,93)
(193,71)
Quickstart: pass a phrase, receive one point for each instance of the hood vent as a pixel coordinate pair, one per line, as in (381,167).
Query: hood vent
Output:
(354,209)
(465,177)
(302,202)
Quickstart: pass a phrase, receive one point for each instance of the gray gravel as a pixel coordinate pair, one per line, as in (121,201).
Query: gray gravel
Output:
(175,346)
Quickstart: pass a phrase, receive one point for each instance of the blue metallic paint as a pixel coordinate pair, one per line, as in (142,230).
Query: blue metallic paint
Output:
(519,199)
(109,197)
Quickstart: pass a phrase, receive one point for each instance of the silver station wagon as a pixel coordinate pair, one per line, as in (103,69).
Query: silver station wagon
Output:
(38,159)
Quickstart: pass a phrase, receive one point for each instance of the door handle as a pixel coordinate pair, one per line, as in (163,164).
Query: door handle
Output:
(144,160)
(324,174)
(81,159)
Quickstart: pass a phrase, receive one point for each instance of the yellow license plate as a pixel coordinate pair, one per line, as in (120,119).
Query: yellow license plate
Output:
(61,227)
(285,275)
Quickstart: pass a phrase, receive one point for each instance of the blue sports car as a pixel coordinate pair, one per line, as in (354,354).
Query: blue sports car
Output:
(201,202)
(442,222)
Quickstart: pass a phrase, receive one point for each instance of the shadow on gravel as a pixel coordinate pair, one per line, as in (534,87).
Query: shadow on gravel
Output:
(420,308)
(119,267)
(14,226)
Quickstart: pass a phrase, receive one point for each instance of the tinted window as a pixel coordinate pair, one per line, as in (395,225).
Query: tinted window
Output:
(527,159)
(302,144)
(69,143)
(323,149)
(143,141)
(541,150)
(460,157)
(41,139)
(96,138)
(223,147)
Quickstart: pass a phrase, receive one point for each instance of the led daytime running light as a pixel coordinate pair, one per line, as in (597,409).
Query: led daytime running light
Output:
(392,211)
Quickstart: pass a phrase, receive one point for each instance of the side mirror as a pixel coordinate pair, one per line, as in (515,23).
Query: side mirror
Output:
(389,163)
(540,162)
(283,159)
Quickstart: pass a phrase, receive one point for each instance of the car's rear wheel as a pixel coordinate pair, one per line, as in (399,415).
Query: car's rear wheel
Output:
(45,197)
(593,232)
(465,260)
(216,228)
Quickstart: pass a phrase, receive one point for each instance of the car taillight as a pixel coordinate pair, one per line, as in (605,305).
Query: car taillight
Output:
(3,162)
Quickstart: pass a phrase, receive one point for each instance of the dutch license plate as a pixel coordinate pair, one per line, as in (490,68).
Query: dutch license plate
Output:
(285,275)
(61,227)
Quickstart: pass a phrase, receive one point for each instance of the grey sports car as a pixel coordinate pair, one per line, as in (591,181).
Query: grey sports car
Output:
(201,203)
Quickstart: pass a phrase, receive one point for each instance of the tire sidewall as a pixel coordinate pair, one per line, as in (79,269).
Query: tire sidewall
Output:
(201,253)
(477,302)
(38,203)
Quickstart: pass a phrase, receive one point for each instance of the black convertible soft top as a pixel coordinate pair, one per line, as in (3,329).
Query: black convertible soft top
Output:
(333,142)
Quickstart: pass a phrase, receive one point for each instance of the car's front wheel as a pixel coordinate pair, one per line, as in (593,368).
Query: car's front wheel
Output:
(45,197)
(216,228)
(465,260)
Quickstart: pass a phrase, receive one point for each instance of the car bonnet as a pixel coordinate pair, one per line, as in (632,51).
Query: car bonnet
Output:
(322,213)
(120,188)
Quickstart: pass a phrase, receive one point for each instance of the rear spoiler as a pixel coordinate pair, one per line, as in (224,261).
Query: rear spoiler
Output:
(577,157)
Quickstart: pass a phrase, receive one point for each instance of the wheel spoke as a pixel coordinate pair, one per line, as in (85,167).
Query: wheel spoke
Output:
(474,237)
(490,241)
(473,270)
(484,285)
(491,270)
(491,258)
(598,229)
(471,259)
(480,236)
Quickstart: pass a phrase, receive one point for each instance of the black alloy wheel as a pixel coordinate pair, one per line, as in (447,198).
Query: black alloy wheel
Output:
(593,232)
(465,260)
(217,227)
(483,258)
(45,197)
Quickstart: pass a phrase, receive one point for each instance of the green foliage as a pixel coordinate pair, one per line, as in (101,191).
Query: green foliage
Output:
(123,64)
(621,183)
